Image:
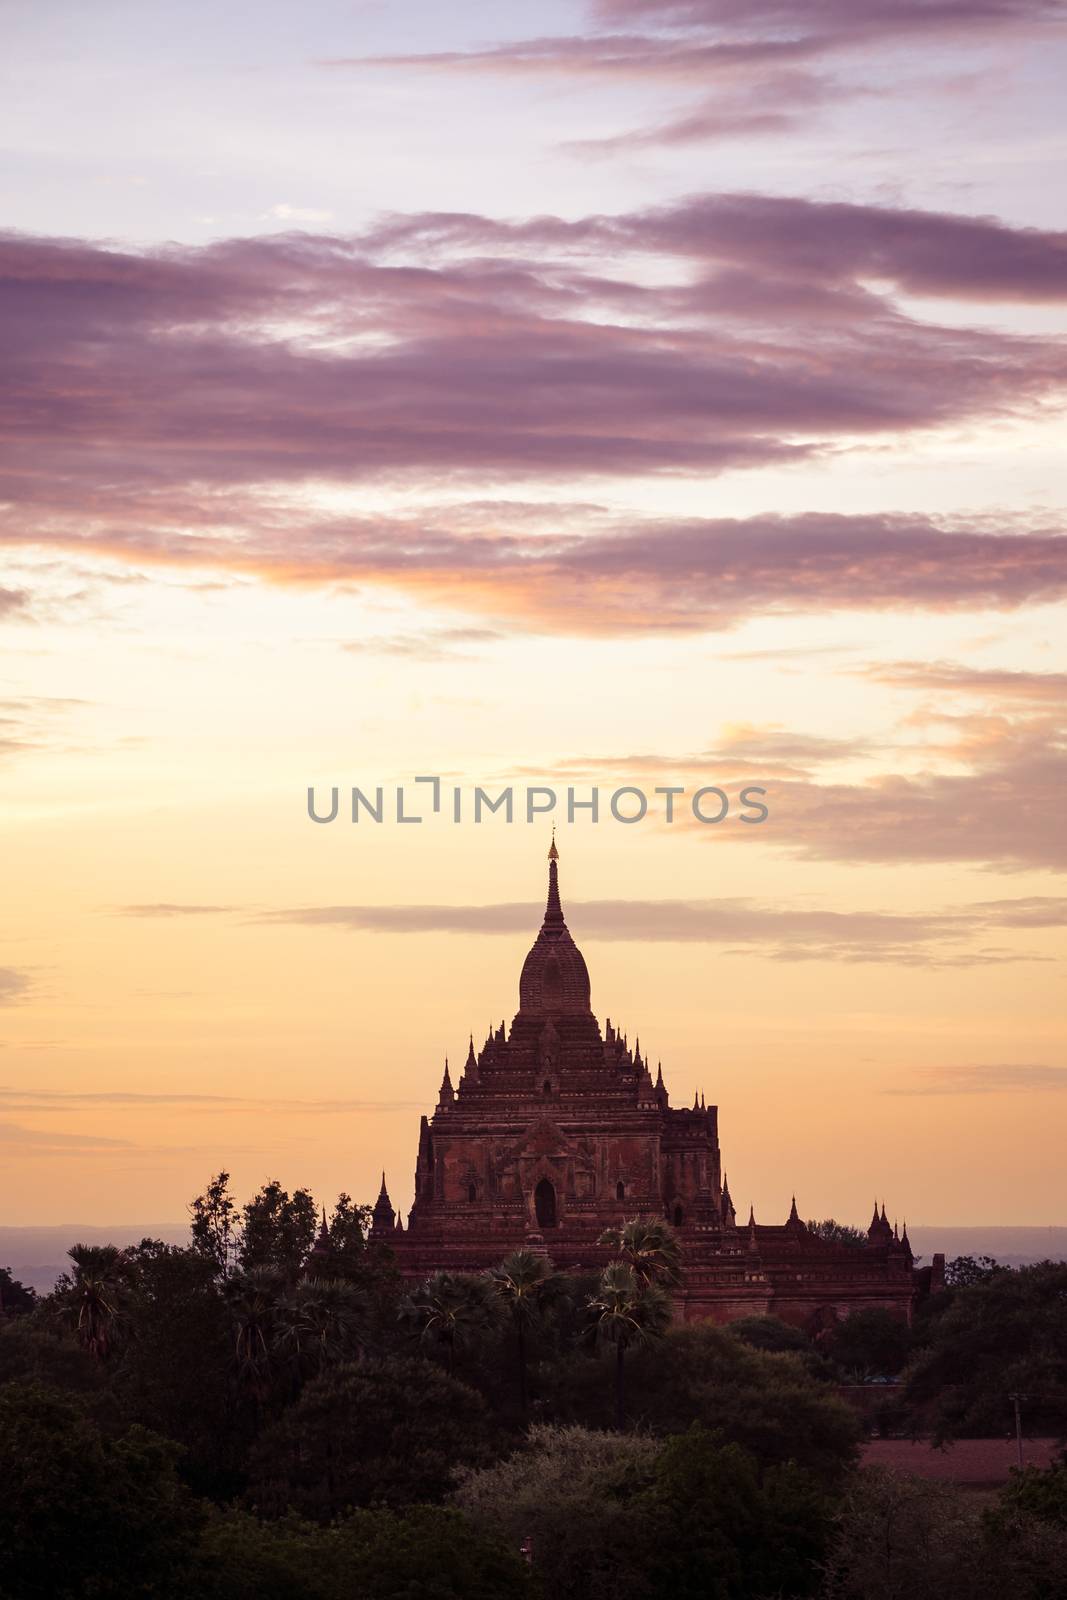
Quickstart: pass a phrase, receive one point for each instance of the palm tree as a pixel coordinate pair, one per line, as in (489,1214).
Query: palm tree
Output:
(92,1296)
(650,1247)
(625,1312)
(527,1285)
(317,1323)
(451,1309)
(252,1298)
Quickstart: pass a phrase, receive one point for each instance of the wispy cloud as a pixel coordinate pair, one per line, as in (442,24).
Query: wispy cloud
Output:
(769,67)
(955,678)
(171,908)
(33,1140)
(1006,1078)
(784,933)
(33,1099)
(14,985)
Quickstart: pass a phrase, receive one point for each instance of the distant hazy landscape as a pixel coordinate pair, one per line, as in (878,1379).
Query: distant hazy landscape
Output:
(36,1256)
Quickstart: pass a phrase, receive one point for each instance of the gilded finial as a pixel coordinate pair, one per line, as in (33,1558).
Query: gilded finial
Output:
(553,853)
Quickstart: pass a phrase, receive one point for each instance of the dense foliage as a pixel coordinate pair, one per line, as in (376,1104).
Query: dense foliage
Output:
(271,1413)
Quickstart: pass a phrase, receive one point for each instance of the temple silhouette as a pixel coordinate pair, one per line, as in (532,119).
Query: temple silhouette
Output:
(555,1131)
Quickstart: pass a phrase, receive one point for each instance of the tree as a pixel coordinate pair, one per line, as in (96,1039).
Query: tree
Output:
(767,1403)
(963,1272)
(252,1299)
(771,1333)
(1003,1336)
(348,1228)
(389,1432)
(316,1324)
(568,1496)
(173,1371)
(626,1517)
(626,1311)
(278,1231)
(427,1551)
(1040,1492)
(85,1513)
(905,1538)
(214,1228)
(871,1343)
(649,1247)
(726,1531)
(838,1233)
(527,1286)
(15,1298)
(35,1349)
(451,1310)
(90,1297)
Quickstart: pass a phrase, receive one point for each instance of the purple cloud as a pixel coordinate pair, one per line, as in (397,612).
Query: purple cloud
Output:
(767,62)
(157,413)
(780,932)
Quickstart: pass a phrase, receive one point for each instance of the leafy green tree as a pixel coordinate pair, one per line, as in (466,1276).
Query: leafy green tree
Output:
(36,1350)
(89,1298)
(426,1553)
(278,1230)
(528,1287)
(173,1372)
(568,1496)
(626,1517)
(348,1228)
(15,1298)
(626,1312)
(1040,1492)
(767,1403)
(963,1272)
(1004,1336)
(649,1247)
(451,1311)
(904,1538)
(389,1432)
(871,1343)
(782,1338)
(1025,1534)
(770,1333)
(84,1514)
(726,1532)
(215,1226)
(838,1233)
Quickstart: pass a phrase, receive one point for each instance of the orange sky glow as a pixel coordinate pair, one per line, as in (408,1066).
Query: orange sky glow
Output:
(410,402)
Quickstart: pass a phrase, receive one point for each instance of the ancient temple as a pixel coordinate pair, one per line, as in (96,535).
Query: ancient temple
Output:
(555,1130)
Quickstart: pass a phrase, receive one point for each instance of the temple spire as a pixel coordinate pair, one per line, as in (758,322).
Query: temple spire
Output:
(553,909)
(447,1094)
(383,1215)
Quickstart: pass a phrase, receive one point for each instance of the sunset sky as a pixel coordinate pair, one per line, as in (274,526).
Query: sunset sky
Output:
(637,392)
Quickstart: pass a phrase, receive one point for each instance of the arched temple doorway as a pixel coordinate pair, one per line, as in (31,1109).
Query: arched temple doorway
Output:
(545,1204)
